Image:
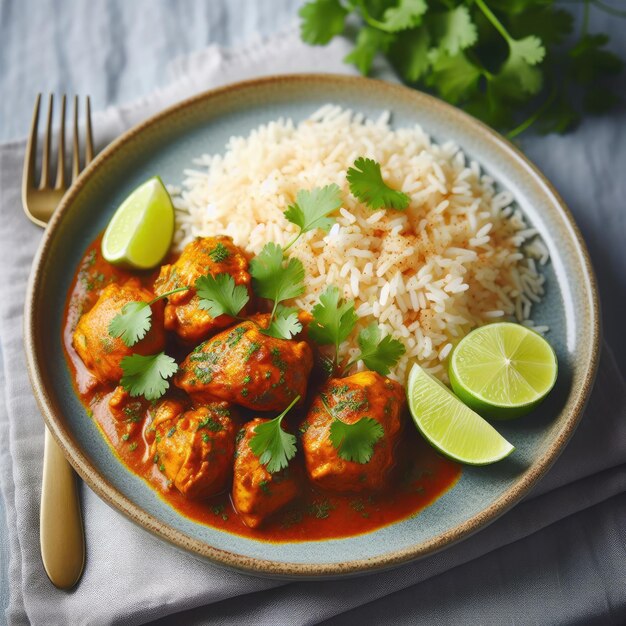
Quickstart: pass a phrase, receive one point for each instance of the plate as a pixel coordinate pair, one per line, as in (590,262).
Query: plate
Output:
(165,145)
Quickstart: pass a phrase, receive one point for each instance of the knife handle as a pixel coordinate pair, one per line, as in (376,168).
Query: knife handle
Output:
(61,534)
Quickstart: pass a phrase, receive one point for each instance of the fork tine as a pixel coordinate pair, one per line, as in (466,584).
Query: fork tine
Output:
(45,161)
(88,134)
(75,144)
(60,182)
(28,175)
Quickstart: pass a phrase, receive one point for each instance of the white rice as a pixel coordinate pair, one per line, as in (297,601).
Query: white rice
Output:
(460,256)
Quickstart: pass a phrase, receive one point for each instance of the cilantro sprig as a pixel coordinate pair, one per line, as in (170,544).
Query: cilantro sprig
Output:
(334,320)
(278,280)
(135,319)
(513,63)
(220,296)
(378,353)
(273,446)
(285,324)
(147,376)
(367,184)
(354,442)
(312,208)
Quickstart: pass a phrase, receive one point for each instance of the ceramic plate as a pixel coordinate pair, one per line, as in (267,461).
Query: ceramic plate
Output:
(165,145)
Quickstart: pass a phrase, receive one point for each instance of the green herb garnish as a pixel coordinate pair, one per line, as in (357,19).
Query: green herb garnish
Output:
(220,253)
(378,353)
(354,442)
(135,319)
(367,184)
(274,279)
(285,324)
(220,296)
(312,208)
(147,375)
(277,280)
(333,321)
(512,63)
(272,445)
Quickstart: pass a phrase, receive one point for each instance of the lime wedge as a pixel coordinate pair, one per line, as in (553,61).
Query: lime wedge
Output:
(503,370)
(140,233)
(450,426)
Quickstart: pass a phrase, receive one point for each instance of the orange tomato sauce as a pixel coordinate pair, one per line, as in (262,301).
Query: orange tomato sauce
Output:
(421,475)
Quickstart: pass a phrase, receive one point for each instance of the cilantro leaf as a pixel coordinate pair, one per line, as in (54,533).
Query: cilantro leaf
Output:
(274,280)
(355,442)
(369,42)
(132,324)
(220,296)
(518,78)
(285,324)
(321,21)
(135,319)
(311,209)
(454,30)
(272,445)
(333,319)
(409,53)
(550,25)
(455,77)
(147,375)
(407,14)
(589,59)
(379,355)
(367,184)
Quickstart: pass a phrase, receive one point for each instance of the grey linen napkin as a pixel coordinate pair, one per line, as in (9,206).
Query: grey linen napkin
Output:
(554,557)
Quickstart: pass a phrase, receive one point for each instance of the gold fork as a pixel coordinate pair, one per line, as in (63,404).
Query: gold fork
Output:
(61,534)
(41,200)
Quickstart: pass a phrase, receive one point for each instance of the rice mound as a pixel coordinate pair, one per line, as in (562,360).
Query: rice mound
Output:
(459,257)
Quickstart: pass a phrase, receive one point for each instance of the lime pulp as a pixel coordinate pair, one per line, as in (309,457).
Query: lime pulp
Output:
(503,370)
(449,425)
(140,232)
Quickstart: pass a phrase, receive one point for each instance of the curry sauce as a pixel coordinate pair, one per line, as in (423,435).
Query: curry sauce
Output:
(420,477)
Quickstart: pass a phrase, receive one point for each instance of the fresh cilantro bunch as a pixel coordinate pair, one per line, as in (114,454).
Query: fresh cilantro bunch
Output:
(511,63)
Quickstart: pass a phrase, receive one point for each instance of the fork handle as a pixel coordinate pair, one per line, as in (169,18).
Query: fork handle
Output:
(61,534)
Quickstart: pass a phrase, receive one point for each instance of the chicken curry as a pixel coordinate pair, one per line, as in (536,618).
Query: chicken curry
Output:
(200,444)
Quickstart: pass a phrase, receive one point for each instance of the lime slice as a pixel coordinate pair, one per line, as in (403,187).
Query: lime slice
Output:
(450,426)
(503,370)
(140,233)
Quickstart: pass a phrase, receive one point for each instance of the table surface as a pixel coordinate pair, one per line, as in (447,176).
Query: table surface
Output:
(115,51)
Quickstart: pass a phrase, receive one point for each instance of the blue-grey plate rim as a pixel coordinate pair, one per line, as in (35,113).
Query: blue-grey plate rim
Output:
(576,286)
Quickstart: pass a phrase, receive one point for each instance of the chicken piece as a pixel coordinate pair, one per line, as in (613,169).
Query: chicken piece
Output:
(128,412)
(366,394)
(209,255)
(246,367)
(195,448)
(257,493)
(100,352)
